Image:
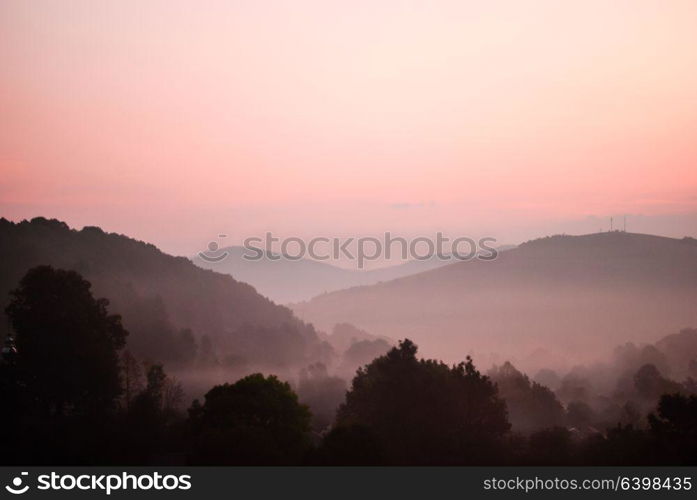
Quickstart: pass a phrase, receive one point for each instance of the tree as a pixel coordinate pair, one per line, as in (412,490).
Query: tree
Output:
(424,412)
(361,352)
(256,420)
(185,346)
(132,377)
(650,384)
(322,393)
(349,445)
(162,395)
(580,415)
(156,385)
(675,429)
(67,342)
(621,445)
(172,395)
(552,446)
(154,335)
(531,406)
(151,419)
(206,353)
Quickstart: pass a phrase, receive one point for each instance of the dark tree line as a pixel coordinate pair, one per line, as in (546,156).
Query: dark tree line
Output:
(73,393)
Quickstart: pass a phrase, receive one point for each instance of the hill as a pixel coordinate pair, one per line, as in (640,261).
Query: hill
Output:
(286,281)
(550,302)
(175,311)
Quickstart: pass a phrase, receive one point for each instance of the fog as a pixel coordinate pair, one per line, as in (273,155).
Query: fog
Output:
(551,303)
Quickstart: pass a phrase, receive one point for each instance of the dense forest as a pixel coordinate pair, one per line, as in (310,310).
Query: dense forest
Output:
(73,392)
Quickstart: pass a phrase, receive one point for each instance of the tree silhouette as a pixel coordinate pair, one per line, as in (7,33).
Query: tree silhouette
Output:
(580,415)
(147,425)
(349,445)
(424,412)
(621,445)
(361,352)
(552,446)
(67,342)
(650,384)
(322,393)
(531,406)
(131,376)
(256,420)
(675,428)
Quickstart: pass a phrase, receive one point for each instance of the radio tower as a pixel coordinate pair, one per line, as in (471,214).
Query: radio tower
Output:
(624,225)
(610,224)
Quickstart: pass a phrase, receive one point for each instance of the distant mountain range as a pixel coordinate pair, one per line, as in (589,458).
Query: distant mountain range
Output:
(172,308)
(286,281)
(548,302)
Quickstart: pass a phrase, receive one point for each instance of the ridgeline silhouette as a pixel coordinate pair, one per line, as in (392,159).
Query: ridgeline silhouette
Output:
(79,386)
(548,303)
(176,312)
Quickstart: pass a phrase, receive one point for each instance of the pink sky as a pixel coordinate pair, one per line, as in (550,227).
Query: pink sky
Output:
(175,121)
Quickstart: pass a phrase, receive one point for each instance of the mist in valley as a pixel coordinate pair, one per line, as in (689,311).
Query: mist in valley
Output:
(564,350)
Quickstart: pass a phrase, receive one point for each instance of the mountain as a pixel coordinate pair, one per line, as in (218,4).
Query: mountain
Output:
(287,281)
(172,308)
(552,301)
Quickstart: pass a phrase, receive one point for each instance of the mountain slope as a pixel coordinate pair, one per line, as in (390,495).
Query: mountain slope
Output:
(286,281)
(159,295)
(555,300)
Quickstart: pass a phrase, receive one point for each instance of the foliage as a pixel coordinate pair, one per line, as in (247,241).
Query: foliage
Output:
(674,428)
(67,342)
(426,412)
(349,445)
(322,393)
(531,406)
(256,420)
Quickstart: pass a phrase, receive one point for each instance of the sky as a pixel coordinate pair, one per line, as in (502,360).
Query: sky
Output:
(174,121)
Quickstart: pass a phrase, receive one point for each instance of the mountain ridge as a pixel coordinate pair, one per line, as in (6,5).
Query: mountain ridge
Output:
(621,285)
(293,280)
(157,293)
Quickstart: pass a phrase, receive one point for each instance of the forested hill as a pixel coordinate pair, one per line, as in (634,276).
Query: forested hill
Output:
(173,309)
(555,299)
